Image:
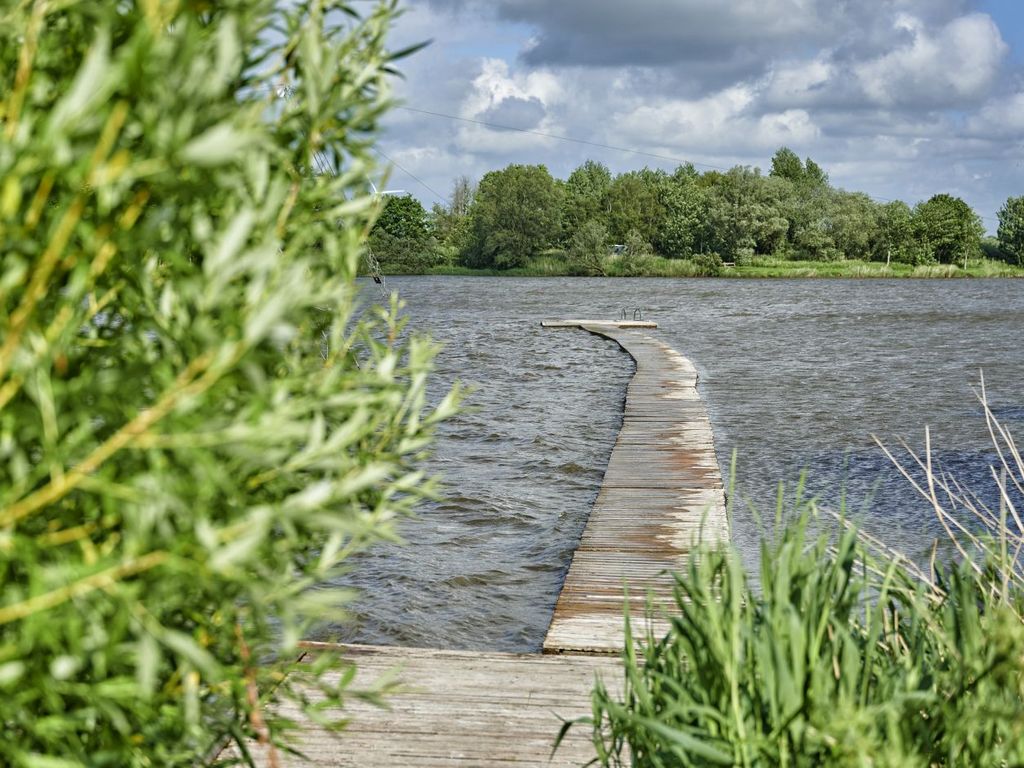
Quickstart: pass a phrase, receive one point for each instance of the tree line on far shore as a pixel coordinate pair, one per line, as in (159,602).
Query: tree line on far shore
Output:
(593,222)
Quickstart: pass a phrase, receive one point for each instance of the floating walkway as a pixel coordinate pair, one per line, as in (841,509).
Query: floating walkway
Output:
(661,492)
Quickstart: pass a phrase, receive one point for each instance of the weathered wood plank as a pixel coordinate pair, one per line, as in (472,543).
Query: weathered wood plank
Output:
(454,708)
(610,323)
(662,494)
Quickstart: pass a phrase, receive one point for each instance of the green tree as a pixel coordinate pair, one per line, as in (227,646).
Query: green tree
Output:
(516,214)
(746,214)
(400,238)
(803,196)
(1011,228)
(634,201)
(196,428)
(894,239)
(853,224)
(585,196)
(786,165)
(402,216)
(450,221)
(948,229)
(814,174)
(680,231)
(588,248)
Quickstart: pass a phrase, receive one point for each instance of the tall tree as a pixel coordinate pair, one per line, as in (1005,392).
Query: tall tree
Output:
(634,201)
(949,229)
(400,238)
(588,248)
(450,221)
(585,193)
(463,191)
(402,216)
(745,214)
(814,174)
(516,214)
(894,239)
(680,231)
(786,165)
(853,224)
(1011,228)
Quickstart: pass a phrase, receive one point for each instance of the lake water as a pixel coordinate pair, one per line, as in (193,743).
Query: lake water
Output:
(797,375)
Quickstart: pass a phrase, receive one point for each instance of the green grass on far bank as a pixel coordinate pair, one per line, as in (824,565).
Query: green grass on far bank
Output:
(867,269)
(552,266)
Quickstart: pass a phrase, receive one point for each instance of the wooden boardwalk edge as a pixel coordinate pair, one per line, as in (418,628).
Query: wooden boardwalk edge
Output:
(661,495)
(662,491)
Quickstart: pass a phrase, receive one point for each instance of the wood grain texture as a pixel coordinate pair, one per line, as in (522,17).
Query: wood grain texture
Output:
(453,708)
(662,493)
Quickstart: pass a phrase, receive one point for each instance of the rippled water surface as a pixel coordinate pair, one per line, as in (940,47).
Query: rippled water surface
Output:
(796,375)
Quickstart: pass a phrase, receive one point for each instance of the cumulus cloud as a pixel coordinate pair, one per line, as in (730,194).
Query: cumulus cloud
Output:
(496,83)
(717,123)
(712,39)
(609,32)
(954,65)
(516,112)
(891,96)
(801,83)
(499,96)
(1000,117)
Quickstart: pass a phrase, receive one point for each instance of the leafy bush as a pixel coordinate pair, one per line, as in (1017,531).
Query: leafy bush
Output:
(710,263)
(196,425)
(637,257)
(404,255)
(587,249)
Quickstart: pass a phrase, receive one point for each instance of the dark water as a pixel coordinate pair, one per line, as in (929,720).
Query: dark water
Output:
(797,375)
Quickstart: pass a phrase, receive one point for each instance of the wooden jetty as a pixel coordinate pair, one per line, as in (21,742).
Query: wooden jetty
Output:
(662,491)
(454,708)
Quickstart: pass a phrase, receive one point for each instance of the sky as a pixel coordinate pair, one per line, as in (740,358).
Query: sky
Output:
(902,99)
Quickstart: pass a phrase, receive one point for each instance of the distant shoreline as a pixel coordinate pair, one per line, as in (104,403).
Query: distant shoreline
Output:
(982,268)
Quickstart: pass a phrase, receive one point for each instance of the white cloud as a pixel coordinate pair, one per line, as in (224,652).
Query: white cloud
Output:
(719,122)
(496,83)
(799,83)
(950,67)
(1000,117)
(495,94)
(899,98)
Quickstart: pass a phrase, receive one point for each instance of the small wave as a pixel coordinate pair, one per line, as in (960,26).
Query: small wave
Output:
(572,468)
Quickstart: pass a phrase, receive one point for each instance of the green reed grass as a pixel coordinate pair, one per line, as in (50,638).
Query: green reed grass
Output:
(847,654)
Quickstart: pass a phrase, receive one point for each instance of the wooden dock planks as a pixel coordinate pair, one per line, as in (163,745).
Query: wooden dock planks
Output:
(662,491)
(455,708)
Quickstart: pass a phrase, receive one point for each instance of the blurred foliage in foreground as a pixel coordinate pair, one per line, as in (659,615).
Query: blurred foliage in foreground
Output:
(846,655)
(197,425)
